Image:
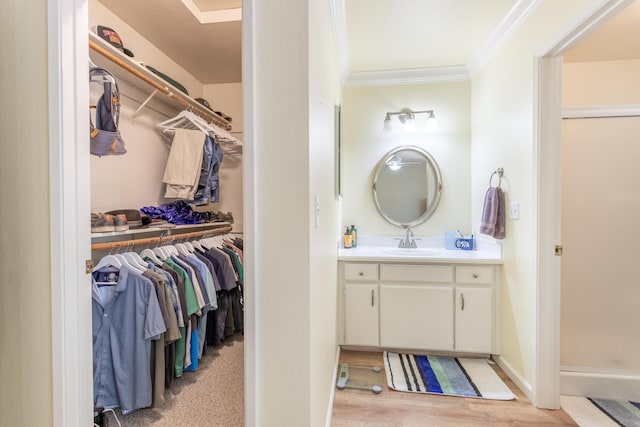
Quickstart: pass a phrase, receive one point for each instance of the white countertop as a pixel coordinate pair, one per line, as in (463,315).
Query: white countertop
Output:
(376,248)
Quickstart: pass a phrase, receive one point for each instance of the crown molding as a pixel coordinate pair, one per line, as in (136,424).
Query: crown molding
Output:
(213,16)
(512,20)
(407,76)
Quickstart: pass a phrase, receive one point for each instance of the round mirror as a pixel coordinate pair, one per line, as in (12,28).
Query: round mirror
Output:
(406,186)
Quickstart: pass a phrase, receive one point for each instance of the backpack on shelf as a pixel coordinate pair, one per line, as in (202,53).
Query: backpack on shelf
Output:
(105,137)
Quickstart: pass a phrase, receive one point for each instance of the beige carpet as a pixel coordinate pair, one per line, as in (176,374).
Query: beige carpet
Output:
(211,396)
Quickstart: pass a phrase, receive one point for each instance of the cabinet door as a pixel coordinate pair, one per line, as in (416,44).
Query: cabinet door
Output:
(474,319)
(361,314)
(416,317)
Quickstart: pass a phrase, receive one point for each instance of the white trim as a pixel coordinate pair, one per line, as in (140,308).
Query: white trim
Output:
(547,145)
(332,392)
(213,16)
(249,209)
(547,164)
(408,76)
(516,15)
(600,383)
(339,22)
(577,31)
(522,384)
(69,212)
(601,111)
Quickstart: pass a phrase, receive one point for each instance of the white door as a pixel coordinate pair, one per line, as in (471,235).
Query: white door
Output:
(474,319)
(361,314)
(416,317)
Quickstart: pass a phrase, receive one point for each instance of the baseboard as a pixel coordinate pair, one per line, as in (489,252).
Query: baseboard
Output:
(332,393)
(515,376)
(600,383)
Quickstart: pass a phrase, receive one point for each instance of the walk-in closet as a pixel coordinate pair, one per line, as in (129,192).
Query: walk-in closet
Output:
(166,213)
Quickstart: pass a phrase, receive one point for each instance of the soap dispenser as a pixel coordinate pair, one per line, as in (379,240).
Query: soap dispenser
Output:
(346,242)
(354,236)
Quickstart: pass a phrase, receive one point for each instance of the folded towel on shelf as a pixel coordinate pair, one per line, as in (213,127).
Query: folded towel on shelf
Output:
(493,213)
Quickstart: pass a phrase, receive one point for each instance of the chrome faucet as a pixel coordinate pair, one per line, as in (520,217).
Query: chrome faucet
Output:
(408,241)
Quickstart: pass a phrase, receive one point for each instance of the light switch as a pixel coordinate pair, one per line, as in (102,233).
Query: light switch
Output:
(514,210)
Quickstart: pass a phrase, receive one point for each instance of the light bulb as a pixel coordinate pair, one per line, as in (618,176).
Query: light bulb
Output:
(432,123)
(388,127)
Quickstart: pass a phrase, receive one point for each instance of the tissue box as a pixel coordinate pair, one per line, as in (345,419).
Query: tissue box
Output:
(466,244)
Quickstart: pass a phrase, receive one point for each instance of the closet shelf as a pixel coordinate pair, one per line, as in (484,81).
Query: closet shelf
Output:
(129,236)
(173,95)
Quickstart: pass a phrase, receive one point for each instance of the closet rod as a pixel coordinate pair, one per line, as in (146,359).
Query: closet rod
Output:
(184,102)
(149,240)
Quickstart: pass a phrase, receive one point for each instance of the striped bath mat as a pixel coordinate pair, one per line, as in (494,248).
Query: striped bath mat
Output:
(444,375)
(623,412)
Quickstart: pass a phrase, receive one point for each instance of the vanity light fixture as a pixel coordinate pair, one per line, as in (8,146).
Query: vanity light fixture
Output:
(408,120)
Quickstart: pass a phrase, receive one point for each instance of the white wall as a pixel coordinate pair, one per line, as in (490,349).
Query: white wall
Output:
(599,210)
(364,144)
(281,213)
(228,98)
(295,266)
(25,291)
(503,136)
(324,93)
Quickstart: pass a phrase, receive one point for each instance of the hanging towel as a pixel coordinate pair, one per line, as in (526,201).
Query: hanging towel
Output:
(493,213)
(182,172)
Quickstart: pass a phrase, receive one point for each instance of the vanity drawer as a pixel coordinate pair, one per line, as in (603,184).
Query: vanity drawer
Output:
(416,273)
(475,274)
(361,272)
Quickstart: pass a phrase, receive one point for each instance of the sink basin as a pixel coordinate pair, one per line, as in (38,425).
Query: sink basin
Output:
(411,251)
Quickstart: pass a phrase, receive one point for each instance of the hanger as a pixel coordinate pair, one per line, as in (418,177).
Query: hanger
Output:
(129,264)
(182,249)
(190,247)
(161,253)
(108,261)
(196,245)
(148,253)
(135,260)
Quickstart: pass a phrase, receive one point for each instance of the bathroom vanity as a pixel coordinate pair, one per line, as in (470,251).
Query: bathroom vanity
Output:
(412,293)
(442,300)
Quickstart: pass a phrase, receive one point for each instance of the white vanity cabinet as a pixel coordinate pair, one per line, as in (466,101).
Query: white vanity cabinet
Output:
(419,306)
(360,290)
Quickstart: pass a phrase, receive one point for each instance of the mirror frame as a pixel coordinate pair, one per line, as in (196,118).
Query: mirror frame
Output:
(436,200)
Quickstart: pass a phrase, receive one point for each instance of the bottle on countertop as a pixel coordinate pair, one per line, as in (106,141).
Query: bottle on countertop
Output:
(354,236)
(346,240)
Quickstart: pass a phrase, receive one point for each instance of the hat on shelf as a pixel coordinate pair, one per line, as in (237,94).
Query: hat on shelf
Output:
(110,36)
(204,102)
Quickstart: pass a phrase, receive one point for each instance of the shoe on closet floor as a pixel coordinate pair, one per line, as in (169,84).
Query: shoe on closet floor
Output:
(102,223)
(120,222)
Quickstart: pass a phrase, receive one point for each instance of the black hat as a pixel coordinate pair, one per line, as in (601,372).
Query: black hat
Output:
(110,36)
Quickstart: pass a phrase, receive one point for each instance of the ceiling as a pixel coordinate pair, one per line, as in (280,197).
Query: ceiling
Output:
(377,36)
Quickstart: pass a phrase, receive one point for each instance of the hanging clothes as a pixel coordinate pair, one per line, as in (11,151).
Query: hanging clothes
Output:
(126,317)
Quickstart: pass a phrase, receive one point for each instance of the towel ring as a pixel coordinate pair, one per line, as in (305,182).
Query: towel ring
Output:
(499,172)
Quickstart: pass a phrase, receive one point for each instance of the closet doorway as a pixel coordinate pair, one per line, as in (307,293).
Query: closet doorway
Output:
(169,81)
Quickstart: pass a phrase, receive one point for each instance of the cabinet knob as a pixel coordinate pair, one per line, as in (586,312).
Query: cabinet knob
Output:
(361,273)
(475,275)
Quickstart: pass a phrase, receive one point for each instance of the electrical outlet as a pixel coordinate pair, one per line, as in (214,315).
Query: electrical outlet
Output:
(514,210)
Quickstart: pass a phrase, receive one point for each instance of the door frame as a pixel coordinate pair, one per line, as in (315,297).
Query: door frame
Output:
(70,207)
(547,149)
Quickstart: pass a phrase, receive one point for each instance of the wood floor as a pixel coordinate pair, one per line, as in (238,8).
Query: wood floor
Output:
(397,409)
